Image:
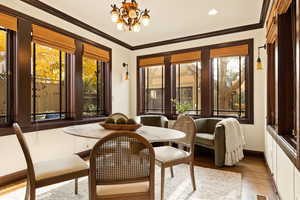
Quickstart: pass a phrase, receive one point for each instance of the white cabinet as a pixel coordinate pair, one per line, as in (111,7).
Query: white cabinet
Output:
(285,176)
(297,184)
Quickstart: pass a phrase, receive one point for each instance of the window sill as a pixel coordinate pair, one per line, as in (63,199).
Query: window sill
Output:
(42,125)
(286,144)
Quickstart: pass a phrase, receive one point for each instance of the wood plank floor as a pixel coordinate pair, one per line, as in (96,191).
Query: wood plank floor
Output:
(256,180)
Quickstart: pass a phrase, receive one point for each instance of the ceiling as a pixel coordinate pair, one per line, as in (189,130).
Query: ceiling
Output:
(169,18)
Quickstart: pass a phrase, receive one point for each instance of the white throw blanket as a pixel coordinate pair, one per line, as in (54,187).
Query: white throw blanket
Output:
(234,141)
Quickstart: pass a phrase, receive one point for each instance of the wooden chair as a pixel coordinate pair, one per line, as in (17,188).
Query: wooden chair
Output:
(116,116)
(168,156)
(126,174)
(49,172)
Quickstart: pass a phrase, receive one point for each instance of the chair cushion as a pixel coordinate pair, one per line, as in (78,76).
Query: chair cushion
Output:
(166,154)
(128,188)
(205,139)
(54,168)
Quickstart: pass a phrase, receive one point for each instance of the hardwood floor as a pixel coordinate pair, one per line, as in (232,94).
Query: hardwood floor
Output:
(257,183)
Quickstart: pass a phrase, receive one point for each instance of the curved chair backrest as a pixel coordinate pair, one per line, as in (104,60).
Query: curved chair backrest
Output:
(153,120)
(116,116)
(25,149)
(187,125)
(132,160)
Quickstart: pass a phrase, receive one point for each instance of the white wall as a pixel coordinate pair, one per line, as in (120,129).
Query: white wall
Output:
(254,133)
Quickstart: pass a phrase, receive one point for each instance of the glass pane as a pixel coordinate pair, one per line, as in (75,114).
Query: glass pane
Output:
(3,77)
(92,87)
(48,100)
(188,78)
(154,89)
(229,86)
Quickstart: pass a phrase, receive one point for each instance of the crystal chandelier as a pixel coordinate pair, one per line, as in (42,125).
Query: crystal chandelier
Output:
(129,16)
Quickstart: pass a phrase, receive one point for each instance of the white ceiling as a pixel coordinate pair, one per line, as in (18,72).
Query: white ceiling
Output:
(169,18)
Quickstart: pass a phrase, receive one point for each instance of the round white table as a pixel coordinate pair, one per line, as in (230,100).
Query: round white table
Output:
(151,133)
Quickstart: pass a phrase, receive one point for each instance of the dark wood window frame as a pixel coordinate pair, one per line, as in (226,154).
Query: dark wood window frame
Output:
(20,87)
(206,81)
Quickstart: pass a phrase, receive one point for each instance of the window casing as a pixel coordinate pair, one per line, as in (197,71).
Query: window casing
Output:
(93,87)
(202,78)
(48,83)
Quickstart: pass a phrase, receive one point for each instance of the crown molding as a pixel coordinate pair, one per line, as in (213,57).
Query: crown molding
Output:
(70,19)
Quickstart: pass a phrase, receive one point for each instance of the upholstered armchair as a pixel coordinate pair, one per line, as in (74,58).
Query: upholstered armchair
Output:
(211,136)
(153,120)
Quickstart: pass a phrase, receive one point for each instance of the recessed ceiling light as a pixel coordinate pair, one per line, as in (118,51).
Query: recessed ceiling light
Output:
(212,12)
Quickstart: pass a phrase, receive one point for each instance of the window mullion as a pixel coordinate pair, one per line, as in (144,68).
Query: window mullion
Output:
(34,81)
(60,85)
(240,87)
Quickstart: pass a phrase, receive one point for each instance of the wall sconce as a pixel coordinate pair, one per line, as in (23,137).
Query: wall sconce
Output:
(127,74)
(259,65)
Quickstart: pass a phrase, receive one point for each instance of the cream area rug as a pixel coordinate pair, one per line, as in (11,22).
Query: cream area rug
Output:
(211,184)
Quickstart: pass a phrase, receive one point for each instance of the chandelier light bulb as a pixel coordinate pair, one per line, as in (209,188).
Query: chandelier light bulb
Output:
(120,26)
(145,20)
(114,16)
(136,28)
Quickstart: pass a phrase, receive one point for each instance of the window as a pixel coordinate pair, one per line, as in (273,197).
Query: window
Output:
(93,87)
(229,86)
(213,81)
(154,89)
(4,77)
(48,83)
(188,85)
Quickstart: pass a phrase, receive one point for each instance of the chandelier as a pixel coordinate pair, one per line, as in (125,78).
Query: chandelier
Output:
(129,16)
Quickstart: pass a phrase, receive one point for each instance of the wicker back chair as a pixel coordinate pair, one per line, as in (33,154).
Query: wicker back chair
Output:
(116,116)
(127,172)
(168,156)
(187,125)
(45,173)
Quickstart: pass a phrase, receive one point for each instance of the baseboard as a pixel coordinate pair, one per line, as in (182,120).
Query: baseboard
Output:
(272,178)
(254,153)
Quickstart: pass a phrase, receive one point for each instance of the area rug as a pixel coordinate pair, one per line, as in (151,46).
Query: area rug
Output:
(211,184)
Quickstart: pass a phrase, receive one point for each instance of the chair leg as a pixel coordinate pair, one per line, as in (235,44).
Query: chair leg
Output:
(30,193)
(27,191)
(172,171)
(192,175)
(162,186)
(76,186)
